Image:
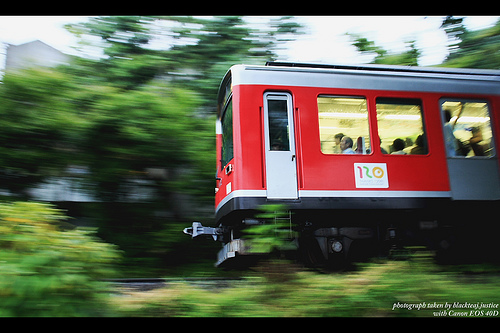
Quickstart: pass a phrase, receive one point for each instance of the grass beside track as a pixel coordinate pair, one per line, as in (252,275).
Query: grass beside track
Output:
(411,288)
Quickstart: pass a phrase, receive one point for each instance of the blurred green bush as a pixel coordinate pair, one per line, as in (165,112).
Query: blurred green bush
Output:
(48,268)
(274,234)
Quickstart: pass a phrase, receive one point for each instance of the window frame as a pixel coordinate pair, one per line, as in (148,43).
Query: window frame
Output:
(418,101)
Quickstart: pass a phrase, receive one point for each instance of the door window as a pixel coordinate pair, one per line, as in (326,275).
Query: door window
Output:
(279,129)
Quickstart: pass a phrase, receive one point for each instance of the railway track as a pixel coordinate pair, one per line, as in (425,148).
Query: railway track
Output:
(147,284)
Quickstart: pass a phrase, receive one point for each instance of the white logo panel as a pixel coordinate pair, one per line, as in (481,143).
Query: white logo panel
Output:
(371,175)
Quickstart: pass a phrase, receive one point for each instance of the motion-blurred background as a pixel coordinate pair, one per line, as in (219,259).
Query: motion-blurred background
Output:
(119,129)
(114,120)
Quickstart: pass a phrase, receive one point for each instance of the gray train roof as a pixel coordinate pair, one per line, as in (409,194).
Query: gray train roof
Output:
(371,77)
(391,68)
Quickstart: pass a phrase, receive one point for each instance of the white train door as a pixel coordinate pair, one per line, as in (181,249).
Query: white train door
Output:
(281,166)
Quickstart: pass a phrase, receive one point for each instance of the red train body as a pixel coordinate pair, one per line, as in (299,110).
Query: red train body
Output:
(403,163)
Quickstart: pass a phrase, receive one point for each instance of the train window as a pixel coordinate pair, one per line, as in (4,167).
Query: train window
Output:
(227,135)
(343,125)
(278,124)
(401,126)
(467,128)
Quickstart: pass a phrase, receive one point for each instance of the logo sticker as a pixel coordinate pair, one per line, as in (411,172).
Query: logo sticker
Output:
(371,175)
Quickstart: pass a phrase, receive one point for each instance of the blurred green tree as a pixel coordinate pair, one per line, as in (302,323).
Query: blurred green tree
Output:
(213,44)
(39,127)
(146,101)
(126,60)
(455,31)
(159,111)
(196,50)
(151,127)
(382,56)
(471,49)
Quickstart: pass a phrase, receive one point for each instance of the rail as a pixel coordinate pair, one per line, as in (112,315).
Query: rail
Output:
(148,284)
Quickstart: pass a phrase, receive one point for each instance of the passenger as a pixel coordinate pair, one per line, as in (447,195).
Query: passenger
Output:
(398,145)
(360,146)
(346,145)
(409,142)
(408,145)
(449,137)
(477,137)
(419,148)
(382,148)
(277,145)
(336,139)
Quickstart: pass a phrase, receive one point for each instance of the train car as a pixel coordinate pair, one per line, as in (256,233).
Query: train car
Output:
(363,157)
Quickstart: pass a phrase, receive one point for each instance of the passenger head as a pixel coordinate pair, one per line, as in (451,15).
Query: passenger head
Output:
(345,143)
(398,144)
(338,137)
(419,141)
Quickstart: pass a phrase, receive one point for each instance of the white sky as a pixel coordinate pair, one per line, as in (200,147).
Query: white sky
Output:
(329,44)
(325,40)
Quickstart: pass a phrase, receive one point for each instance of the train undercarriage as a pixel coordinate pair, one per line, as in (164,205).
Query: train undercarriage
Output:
(456,232)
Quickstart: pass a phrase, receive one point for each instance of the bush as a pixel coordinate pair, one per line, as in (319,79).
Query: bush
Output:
(46,270)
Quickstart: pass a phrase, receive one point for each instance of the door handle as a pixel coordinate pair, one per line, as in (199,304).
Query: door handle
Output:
(293,157)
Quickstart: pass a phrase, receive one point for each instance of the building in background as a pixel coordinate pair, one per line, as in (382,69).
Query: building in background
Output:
(33,54)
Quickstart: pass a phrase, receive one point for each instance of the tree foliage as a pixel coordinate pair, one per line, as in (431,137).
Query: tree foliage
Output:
(382,56)
(472,49)
(146,101)
(217,43)
(126,62)
(38,122)
(149,127)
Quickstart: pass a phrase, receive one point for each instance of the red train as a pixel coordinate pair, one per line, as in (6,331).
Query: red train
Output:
(363,156)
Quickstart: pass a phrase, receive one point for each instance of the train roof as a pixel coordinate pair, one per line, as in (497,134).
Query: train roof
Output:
(365,76)
(392,68)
